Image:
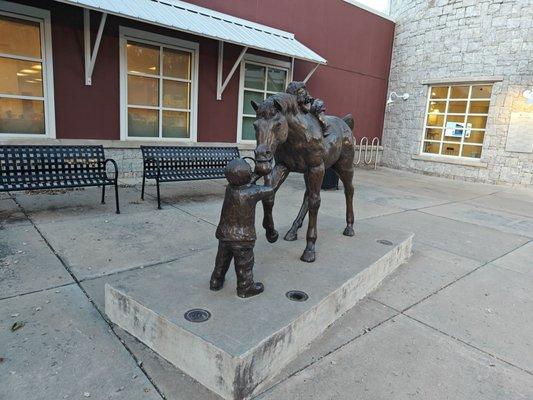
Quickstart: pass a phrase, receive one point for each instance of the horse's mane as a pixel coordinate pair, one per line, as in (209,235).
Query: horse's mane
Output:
(287,101)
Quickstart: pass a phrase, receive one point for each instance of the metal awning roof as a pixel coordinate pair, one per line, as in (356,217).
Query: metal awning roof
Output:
(185,17)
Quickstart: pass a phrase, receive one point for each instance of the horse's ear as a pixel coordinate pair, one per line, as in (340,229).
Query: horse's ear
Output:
(255,106)
(278,105)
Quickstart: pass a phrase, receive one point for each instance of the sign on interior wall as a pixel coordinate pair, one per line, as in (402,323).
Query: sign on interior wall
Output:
(456,129)
(520,134)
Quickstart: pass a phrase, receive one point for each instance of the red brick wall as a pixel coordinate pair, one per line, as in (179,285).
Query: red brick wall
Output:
(356,43)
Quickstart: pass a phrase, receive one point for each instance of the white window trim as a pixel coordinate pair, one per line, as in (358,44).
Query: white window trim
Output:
(158,40)
(442,142)
(263,61)
(43,17)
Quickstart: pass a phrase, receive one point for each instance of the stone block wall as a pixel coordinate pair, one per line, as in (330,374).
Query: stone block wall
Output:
(461,41)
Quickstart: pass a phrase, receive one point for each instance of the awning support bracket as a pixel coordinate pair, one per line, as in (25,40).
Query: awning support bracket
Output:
(90,57)
(222,86)
(310,74)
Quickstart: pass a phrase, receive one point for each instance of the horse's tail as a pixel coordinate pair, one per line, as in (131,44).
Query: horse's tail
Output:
(349,121)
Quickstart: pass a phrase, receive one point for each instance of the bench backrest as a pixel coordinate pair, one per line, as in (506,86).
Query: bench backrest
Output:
(187,162)
(21,165)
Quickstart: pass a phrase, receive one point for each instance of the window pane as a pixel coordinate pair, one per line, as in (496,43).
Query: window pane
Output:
(459,92)
(143,91)
(143,58)
(472,151)
(457,107)
(450,149)
(430,147)
(477,122)
(474,136)
(437,106)
(176,64)
(21,116)
(435,120)
(254,77)
(433,134)
(276,80)
(143,123)
(481,92)
(21,77)
(248,131)
(456,118)
(479,107)
(248,97)
(19,37)
(176,94)
(175,124)
(439,92)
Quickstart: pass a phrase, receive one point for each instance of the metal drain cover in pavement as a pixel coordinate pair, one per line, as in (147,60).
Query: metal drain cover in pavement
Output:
(197,315)
(296,295)
(385,242)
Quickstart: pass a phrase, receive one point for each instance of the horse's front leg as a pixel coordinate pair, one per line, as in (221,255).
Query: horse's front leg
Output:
(274,179)
(292,233)
(314,182)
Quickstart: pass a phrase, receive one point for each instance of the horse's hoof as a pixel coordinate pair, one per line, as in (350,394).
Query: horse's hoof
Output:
(308,256)
(291,236)
(272,236)
(348,231)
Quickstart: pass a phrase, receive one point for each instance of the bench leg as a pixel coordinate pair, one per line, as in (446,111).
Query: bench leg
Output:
(116,197)
(103,194)
(158,196)
(142,189)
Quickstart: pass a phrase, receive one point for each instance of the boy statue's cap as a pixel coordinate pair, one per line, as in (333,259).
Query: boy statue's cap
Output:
(238,172)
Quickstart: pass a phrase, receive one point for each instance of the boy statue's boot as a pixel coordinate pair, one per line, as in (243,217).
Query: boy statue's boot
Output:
(216,282)
(253,290)
(246,287)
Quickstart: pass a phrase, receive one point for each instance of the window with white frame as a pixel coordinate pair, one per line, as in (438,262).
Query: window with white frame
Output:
(260,78)
(456,119)
(26,95)
(159,87)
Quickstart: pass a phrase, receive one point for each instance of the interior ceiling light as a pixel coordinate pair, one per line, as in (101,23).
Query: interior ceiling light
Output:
(528,94)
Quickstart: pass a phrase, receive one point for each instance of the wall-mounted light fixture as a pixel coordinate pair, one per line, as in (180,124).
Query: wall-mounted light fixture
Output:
(528,94)
(404,96)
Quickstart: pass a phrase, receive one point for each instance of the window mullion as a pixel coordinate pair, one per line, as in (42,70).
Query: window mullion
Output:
(160,92)
(465,120)
(266,82)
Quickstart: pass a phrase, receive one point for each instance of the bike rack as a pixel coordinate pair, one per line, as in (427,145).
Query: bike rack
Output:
(367,152)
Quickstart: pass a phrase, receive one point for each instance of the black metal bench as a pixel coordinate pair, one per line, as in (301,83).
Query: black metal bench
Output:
(55,167)
(182,163)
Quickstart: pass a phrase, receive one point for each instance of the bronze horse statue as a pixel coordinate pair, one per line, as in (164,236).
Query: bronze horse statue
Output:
(294,140)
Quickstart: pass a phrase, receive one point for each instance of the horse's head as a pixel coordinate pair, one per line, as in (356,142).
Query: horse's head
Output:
(271,129)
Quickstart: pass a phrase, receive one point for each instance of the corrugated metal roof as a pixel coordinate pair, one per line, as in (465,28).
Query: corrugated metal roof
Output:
(182,16)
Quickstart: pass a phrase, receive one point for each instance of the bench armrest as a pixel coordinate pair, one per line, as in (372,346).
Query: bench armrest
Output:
(110,160)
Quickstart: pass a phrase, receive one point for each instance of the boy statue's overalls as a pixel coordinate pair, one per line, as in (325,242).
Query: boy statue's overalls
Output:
(309,104)
(236,229)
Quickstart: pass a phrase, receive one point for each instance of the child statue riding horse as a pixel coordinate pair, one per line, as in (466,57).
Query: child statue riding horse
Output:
(292,130)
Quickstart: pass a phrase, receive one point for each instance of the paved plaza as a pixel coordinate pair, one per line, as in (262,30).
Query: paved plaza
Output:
(455,322)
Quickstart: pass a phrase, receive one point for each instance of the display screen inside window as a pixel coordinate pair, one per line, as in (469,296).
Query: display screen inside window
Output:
(456,120)
(159,85)
(260,81)
(22,109)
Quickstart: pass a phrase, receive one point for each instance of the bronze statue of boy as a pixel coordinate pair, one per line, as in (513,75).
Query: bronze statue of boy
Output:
(236,229)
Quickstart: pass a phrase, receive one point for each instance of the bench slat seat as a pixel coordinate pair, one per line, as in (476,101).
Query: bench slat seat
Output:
(30,167)
(184,163)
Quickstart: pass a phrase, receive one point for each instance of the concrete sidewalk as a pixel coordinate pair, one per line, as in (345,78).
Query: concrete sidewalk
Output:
(456,322)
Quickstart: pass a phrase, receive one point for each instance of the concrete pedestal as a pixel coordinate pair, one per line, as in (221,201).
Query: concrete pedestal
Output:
(246,342)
